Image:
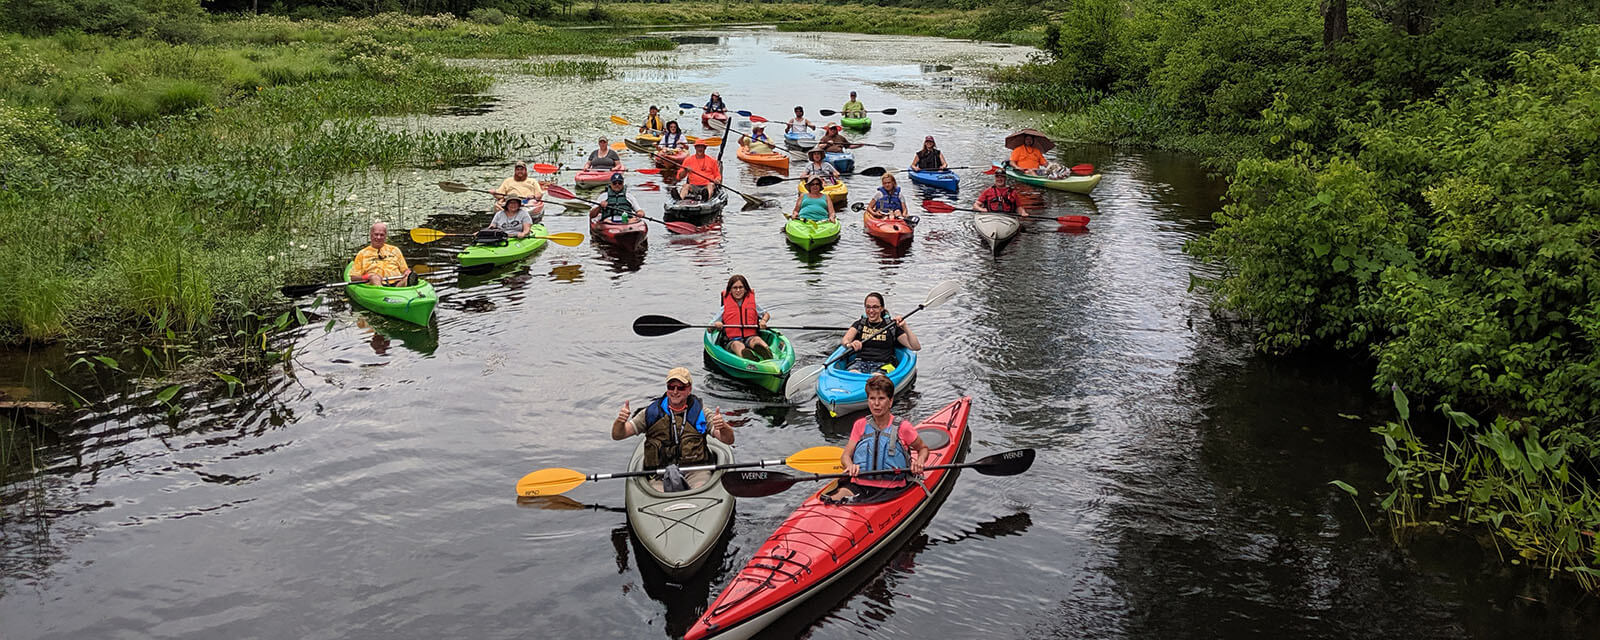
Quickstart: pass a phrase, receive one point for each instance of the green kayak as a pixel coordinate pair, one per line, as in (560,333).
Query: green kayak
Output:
(767,374)
(679,529)
(1074,184)
(513,250)
(412,304)
(860,124)
(810,235)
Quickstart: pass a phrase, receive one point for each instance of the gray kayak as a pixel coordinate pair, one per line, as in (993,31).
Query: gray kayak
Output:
(996,229)
(697,208)
(679,529)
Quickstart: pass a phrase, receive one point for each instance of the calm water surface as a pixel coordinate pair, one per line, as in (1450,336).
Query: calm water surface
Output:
(1180,492)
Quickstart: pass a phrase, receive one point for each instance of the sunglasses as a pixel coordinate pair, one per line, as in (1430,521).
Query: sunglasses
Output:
(677,387)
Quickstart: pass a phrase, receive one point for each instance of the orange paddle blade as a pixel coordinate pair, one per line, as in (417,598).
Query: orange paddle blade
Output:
(544,167)
(549,482)
(817,460)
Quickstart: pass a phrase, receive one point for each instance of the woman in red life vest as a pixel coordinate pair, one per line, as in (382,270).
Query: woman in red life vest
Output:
(741,320)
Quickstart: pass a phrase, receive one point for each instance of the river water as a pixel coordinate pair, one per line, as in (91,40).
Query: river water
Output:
(1181,489)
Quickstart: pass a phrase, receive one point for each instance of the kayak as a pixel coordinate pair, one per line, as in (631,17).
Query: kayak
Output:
(665,158)
(649,139)
(618,233)
(595,178)
(860,124)
(679,529)
(996,229)
(412,304)
(513,250)
(842,391)
(1074,184)
(838,191)
(697,208)
(844,161)
(767,374)
(891,231)
(774,160)
(821,544)
(800,140)
(810,235)
(941,179)
(713,120)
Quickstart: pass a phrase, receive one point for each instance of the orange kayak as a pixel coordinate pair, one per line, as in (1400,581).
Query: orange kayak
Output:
(891,231)
(774,160)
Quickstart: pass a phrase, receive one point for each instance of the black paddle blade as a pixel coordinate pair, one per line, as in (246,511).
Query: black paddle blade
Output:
(1009,463)
(874,171)
(890,111)
(756,484)
(767,181)
(827,112)
(651,326)
(297,290)
(858,206)
(685,105)
(475,269)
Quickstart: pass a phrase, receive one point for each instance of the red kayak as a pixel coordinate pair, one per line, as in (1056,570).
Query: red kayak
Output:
(821,544)
(891,231)
(713,119)
(625,234)
(595,178)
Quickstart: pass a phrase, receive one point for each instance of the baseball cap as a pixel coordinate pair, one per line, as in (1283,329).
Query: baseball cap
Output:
(681,375)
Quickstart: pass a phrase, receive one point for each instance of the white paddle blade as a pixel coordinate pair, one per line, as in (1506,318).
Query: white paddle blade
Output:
(800,382)
(942,292)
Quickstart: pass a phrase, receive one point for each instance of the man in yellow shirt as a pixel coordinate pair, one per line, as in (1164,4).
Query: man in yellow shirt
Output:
(518,185)
(380,263)
(853,108)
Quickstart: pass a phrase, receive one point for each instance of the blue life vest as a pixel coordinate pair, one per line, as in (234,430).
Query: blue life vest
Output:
(881,449)
(889,201)
(669,441)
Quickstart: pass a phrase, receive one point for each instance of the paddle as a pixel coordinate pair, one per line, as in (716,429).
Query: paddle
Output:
(556,481)
(297,290)
(653,325)
(423,235)
(770,144)
(862,206)
(675,227)
(757,484)
(749,200)
(888,112)
(878,171)
(858,145)
(456,187)
(799,381)
(934,206)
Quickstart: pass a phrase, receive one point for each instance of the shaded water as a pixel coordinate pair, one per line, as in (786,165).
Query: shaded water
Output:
(1181,488)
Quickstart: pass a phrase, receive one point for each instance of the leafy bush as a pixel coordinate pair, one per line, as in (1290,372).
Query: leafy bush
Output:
(490,16)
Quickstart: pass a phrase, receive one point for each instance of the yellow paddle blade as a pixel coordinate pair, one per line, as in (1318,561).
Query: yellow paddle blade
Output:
(817,460)
(710,142)
(621,120)
(619,145)
(566,239)
(421,235)
(549,482)
(423,269)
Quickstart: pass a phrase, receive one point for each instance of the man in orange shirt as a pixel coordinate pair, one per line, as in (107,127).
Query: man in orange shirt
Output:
(1029,159)
(705,174)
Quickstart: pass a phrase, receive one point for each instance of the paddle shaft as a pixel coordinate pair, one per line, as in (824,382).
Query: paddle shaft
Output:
(706,467)
(747,197)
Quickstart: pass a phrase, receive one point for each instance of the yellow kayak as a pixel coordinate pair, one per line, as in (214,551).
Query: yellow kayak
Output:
(838,191)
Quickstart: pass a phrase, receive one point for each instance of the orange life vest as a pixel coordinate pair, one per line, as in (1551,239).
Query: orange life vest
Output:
(739,313)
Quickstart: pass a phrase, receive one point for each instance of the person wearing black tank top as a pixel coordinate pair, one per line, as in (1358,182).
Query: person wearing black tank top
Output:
(874,338)
(929,158)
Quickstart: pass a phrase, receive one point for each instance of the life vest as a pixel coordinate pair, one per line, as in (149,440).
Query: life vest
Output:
(889,201)
(928,159)
(743,312)
(883,340)
(880,449)
(617,205)
(999,200)
(654,122)
(671,139)
(828,173)
(675,438)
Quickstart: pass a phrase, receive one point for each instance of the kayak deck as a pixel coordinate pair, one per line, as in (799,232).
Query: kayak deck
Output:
(411,304)
(768,374)
(810,235)
(514,249)
(679,529)
(842,391)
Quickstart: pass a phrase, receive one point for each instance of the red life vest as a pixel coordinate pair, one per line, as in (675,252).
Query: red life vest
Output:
(737,314)
(999,200)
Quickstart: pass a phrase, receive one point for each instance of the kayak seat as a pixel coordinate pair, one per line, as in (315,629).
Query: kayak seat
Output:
(934,437)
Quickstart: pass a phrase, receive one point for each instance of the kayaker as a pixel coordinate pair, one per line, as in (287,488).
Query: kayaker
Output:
(675,429)
(518,185)
(512,222)
(929,158)
(380,263)
(799,123)
(1031,160)
(653,123)
(813,205)
(619,205)
(704,175)
(879,441)
(887,202)
(739,307)
(875,336)
(817,168)
(757,142)
(832,141)
(715,104)
(1000,198)
(853,108)
(603,158)
(672,138)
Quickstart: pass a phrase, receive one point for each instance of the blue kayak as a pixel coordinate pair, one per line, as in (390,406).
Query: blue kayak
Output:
(844,161)
(805,140)
(940,179)
(842,391)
